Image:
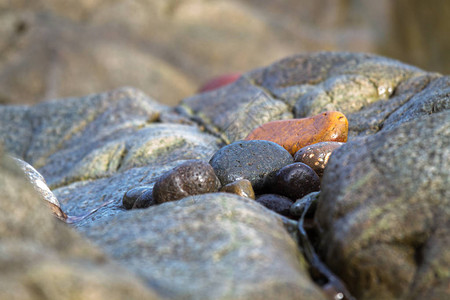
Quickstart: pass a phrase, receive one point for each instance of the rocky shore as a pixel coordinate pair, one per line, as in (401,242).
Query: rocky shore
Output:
(142,210)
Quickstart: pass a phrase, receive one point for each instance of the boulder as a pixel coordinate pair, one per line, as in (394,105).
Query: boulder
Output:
(211,246)
(384,211)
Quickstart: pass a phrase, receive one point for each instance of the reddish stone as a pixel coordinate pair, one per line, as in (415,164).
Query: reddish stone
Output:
(219,82)
(295,134)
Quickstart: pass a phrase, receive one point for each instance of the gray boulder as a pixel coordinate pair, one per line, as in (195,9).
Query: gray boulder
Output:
(384,211)
(211,246)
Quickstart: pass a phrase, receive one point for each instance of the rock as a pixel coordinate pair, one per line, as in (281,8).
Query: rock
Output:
(298,133)
(219,82)
(40,186)
(277,203)
(383,211)
(316,155)
(193,177)
(130,197)
(238,108)
(365,87)
(91,200)
(256,161)
(295,181)
(298,207)
(15,130)
(145,200)
(204,237)
(241,187)
(59,262)
(77,139)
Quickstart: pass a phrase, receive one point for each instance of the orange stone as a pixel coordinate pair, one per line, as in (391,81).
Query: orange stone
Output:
(294,134)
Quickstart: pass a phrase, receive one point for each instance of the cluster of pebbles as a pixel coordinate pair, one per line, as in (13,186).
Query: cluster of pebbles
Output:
(278,164)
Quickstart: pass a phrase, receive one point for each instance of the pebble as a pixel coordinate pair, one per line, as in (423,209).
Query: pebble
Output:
(316,156)
(277,203)
(295,134)
(144,200)
(130,197)
(299,206)
(295,181)
(256,161)
(242,187)
(192,177)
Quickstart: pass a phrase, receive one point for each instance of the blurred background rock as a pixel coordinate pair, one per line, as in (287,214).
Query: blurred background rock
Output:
(168,48)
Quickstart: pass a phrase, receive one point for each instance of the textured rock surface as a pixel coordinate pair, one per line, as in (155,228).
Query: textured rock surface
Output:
(95,136)
(40,257)
(384,211)
(366,88)
(189,249)
(256,161)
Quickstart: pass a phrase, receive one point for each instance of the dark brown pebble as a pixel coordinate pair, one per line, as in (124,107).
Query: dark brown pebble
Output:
(144,200)
(295,181)
(316,156)
(277,203)
(192,177)
(241,187)
(130,197)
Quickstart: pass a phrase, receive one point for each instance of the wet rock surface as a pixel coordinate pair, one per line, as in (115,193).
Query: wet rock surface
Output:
(394,169)
(316,156)
(295,134)
(193,177)
(295,181)
(277,203)
(256,161)
(241,187)
(130,197)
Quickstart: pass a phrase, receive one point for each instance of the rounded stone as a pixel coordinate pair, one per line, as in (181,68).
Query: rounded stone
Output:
(299,206)
(242,187)
(277,203)
(256,161)
(144,200)
(130,197)
(316,156)
(296,180)
(295,134)
(192,177)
